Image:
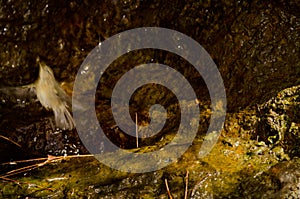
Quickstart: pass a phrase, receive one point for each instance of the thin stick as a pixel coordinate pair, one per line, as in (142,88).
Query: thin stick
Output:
(18,171)
(186,184)
(1,136)
(168,190)
(22,161)
(136,130)
(49,159)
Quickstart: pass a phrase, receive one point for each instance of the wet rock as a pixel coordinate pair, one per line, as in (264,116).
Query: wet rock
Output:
(280,121)
(281,181)
(256,48)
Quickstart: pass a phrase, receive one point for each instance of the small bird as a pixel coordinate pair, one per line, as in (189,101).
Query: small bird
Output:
(50,94)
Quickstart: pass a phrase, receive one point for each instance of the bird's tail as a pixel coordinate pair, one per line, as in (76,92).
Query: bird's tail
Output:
(63,118)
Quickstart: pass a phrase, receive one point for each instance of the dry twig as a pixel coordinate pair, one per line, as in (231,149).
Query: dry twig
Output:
(186,184)
(168,190)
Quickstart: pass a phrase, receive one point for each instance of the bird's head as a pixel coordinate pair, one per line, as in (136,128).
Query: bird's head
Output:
(45,72)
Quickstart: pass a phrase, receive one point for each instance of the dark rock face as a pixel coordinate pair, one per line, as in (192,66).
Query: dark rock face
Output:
(255,46)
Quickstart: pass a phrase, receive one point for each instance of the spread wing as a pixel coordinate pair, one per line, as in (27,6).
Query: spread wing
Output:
(18,93)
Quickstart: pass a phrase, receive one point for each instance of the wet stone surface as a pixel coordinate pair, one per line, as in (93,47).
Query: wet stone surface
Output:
(280,122)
